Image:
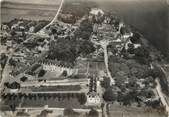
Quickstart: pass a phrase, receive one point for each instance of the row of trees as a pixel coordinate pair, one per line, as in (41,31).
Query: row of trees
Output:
(13,85)
(69,112)
(80,96)
(3,60)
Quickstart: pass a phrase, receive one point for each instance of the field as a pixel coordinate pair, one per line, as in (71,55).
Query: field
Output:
(56,88)
(10,11)
(121,111)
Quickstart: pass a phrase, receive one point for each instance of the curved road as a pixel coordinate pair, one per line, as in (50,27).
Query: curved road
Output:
(56,16)
(162,97)
(159,90)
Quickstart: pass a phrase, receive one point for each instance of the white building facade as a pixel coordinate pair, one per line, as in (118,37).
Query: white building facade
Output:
(52,67)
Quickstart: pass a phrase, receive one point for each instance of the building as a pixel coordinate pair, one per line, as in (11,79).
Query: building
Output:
(135,45)
(4,27)
(93,97)
(96,11)
(59,67)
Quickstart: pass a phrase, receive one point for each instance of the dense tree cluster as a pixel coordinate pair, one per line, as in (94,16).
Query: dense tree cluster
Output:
(41,73)
(109,95)
(13,100)
(136,38)
(40,25)
(85,30)
(133,80)
(69,112)
(13,85)
(69,49)
(24,78)
(3,60)
(142,55)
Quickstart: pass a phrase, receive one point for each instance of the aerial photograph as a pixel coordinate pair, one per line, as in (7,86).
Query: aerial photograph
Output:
(84,58)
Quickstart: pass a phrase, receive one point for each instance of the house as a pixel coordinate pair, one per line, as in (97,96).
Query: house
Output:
(96,11)
(95,28)
(14,26)
(135,45)
(31,29)
(4,27)
(59,67)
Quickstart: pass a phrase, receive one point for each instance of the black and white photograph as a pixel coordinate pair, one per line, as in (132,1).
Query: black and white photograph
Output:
(84,58)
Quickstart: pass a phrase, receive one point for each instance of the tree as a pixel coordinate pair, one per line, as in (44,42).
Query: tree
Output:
(3,60)
(82,98)
(13,33)
(64,73)
(69,112)
(12,62)
(23,79)
(69,49)
(131,48)
(109,95)
(63,50)
(86,47)
(105,83)
(85,30)
(156,72)
(142,55)
(93,113)
(12,107)
(14,85)
(123,30)
(44,113)
(135,38)
(41,73)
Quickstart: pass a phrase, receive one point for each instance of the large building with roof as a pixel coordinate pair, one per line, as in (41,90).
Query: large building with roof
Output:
(59,67)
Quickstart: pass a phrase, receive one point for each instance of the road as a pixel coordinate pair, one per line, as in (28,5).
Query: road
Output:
(56,16)
(162,97)
(104,45)
(105,110)
(159,90)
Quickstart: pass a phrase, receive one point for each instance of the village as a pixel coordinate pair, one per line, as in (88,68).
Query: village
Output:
(86,68)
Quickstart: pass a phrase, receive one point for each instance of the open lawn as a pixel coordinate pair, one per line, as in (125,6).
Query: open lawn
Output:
(56,88)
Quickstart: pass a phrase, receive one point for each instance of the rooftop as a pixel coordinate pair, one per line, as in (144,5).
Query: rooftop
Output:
(57,63)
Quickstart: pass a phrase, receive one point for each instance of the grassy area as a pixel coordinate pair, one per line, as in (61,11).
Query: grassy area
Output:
(65,103)
(56,88)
